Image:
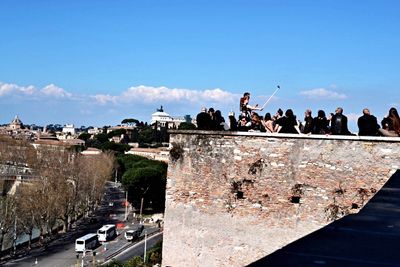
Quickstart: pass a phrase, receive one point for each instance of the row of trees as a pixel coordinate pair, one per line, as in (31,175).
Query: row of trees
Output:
(60,185)
(145,181)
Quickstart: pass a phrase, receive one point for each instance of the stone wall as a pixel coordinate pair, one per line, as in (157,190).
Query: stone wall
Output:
(233,198)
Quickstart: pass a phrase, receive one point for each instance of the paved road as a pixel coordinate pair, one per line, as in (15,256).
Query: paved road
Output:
(61,252)
(138,248)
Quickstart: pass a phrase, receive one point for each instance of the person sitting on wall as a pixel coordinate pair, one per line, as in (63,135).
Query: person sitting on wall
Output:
(288,123)
(256,125)
(339,123)
(391,124)
(220,121)
(233,124)
(320,123)
(213,120)
(203,120)
(268,123)
(308,122)
(244,123)
(367,124)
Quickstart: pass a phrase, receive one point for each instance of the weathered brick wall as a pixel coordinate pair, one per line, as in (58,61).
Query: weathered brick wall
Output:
(233,198)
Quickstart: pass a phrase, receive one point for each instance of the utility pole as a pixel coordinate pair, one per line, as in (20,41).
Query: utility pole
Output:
(126,205)
(145,245)
(15,233)
(141,202)
(141,208)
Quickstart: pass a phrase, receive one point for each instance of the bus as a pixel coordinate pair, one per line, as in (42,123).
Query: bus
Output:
(106,232)
(89,241)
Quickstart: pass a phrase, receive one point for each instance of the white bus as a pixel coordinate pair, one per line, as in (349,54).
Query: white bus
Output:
(89,241)
(106,232)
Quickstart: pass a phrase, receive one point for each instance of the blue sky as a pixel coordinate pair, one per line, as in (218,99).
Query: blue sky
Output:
(98,62)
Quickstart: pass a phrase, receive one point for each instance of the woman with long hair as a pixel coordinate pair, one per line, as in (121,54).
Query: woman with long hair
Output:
(288,123)
(268,123)
(320,123)
(391,124)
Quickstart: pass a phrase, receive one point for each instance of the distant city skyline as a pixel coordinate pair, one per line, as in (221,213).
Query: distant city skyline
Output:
(98,62)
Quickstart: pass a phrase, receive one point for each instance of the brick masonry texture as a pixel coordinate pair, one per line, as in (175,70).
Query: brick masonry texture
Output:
(233,198)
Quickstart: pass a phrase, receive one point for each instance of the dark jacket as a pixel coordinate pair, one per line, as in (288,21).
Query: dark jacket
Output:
(203,120)
(320,125)
(287,124)
(367,125)
(339,125)
(309,125)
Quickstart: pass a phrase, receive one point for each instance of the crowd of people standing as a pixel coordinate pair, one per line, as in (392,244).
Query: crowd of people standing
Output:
(335,123)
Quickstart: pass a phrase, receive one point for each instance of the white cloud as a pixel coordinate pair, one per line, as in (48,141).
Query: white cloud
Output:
(149,94)
(322,93)
(55,91)
(9,88)
(104,99)
(50,90)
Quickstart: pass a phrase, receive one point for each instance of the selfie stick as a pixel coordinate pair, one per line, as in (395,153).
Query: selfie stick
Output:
(278,87)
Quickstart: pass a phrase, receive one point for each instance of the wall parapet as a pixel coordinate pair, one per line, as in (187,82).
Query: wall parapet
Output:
(235,197)
(295,136)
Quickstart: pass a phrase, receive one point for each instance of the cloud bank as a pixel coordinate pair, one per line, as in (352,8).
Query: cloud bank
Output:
(137,94)
(322,93)
(51,90)
(9,88)
(149,94)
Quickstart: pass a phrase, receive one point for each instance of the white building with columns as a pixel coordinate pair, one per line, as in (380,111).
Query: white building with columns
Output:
(163,119)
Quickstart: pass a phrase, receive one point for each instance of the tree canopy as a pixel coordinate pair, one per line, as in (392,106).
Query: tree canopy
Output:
(129,121)
(187,126)
(117,132)
(144,178)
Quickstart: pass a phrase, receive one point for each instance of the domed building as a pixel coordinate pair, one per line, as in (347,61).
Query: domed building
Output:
(15,124)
